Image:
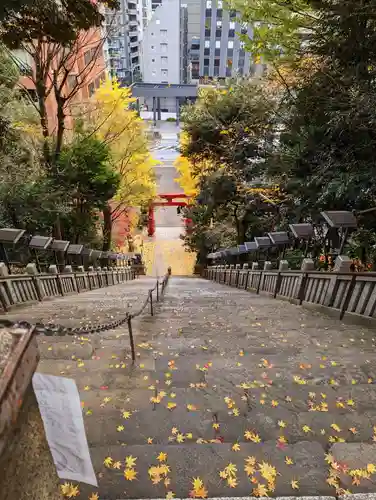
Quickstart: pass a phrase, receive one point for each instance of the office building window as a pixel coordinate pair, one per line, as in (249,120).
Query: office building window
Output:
(219,14)
(163,34)
(206,52)
(72,81)
(163,48)
(153,60)
(241,45)
(219,4)
(164,73)
(218,44)
(91,89)
(230,44)
(206,62)
(152,47)
(87,57)
(216,62)
(219,24)
(157,21)
(218,33)
(207,32)
(207,44)
(208,4)
(231,34)
(232,25)
(164,61)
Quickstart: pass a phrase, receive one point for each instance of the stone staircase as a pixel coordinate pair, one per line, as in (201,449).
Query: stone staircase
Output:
(222,375)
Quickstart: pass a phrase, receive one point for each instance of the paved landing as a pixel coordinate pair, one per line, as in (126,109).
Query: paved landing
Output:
(233,394)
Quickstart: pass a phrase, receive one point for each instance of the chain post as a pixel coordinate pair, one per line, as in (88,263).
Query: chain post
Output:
(157,290)
(129,321)
(151,303)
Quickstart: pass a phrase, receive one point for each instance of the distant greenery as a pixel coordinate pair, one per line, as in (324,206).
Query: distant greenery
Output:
(307,127)
(69,173)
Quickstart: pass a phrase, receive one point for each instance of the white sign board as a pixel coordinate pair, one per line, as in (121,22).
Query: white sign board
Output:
(60,407)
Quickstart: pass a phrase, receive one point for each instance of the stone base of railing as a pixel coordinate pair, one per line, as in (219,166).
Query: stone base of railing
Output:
(20,289)
(26,465)
(27,469)
(345,295)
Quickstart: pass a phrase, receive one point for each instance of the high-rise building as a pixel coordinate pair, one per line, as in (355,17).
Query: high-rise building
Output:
(155,4)
(146,12)
(164,45)
(124,32)
(85,64)
(221,52)
(194,18)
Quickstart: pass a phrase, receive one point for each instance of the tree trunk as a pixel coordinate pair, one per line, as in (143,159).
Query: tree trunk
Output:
(107,228)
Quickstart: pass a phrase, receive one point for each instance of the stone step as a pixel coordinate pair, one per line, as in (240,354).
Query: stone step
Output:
(206,461)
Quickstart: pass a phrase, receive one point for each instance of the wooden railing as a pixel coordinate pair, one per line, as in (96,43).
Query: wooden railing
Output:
(25,289)
(350,295)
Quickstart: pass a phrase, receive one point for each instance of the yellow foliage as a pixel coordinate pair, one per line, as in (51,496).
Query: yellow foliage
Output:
(123,130)
(186,181)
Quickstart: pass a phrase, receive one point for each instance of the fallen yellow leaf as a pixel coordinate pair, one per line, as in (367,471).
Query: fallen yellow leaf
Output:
(232,482)
(294,484)
(130,461)
(130,474)
(231,470)
(235,447)
(162,457)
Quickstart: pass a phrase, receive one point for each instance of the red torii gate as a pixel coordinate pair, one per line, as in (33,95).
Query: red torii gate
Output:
(168,202)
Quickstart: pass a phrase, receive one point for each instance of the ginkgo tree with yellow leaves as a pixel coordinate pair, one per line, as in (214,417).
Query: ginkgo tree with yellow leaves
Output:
(117,125)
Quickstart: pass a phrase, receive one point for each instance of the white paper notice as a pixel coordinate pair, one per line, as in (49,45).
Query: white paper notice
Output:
(60,407)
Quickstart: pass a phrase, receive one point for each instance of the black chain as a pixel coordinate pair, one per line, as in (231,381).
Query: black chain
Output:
(53,329)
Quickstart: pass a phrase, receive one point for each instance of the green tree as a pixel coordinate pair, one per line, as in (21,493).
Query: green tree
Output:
(227,136)
(280,29)
(328,142)
(9,7)
(86,175)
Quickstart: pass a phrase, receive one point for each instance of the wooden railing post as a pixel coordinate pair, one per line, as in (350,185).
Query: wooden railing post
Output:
(278,282)
(302,288)
(348,296)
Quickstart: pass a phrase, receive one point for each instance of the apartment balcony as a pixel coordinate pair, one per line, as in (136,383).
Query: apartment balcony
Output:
(132,12)
(134,44)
